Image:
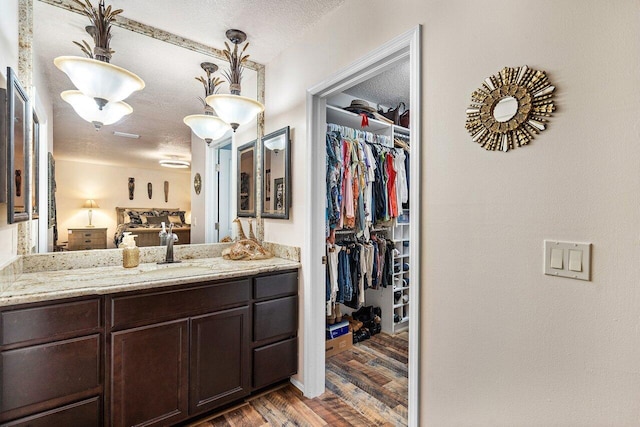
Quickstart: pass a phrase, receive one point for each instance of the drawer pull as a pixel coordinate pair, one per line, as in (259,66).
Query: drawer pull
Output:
(87,235)
(87,241)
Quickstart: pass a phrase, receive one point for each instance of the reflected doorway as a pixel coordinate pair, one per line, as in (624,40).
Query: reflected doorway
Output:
(222,188)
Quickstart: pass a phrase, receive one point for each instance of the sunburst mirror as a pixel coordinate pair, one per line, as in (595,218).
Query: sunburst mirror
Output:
(510,108)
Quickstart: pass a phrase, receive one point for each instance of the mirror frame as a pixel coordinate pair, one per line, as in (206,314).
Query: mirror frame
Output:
(14,88)
(241,149)
(35,165)
(287,174)
(533,92)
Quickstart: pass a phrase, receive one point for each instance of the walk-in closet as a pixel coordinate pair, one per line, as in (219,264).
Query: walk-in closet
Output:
(367,231)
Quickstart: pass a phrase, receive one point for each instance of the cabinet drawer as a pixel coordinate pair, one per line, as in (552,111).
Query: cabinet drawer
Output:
(50,321)
(40,373)
(276,285)
(85,413)
(87,239)
(275,318)
(275,362)
(161,306)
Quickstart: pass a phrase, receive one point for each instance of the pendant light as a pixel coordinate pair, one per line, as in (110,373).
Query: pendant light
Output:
(207,126)
(94,76)
(276,144)
(234,108)
(87,108)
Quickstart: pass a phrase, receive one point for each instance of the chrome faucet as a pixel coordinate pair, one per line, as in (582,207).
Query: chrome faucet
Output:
(171,237)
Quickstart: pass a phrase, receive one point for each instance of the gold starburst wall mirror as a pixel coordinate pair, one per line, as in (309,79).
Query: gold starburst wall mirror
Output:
(510,108)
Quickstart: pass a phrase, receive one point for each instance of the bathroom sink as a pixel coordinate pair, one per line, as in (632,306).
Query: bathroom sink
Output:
(172,269)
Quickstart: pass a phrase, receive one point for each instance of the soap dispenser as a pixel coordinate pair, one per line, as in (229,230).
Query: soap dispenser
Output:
(130,253)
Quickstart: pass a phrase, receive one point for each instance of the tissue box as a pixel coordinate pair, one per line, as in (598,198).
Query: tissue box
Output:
(337,329)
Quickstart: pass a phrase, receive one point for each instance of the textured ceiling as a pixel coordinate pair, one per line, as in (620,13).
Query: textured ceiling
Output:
(171,91)
(388,89)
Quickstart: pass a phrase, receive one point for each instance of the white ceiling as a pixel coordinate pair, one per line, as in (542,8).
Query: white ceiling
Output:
(168,71)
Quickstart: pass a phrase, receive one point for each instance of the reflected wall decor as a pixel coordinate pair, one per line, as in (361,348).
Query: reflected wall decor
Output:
(276,158)
(16,148)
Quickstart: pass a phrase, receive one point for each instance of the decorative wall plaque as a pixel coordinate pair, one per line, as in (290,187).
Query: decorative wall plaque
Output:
(197,183)
(510,108)
(132,187)
(166,191)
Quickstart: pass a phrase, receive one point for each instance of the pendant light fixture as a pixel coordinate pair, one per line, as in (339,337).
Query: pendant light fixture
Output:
(94,76)
(234,108)
(87,108)
(207,126)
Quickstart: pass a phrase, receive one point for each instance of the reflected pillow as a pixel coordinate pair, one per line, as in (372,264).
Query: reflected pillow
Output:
(135,217)
(175,220)
(174,213)
(157,220)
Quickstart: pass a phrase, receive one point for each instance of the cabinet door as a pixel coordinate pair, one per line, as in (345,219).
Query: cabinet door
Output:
(149,368)
(220,365)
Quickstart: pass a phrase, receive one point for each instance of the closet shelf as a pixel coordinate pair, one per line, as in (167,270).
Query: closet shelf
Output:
(346,118)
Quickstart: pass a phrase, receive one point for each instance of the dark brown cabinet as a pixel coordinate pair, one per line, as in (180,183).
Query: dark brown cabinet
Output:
(149,374)
(152,358)
(275,329)
(50,359)
(220,362)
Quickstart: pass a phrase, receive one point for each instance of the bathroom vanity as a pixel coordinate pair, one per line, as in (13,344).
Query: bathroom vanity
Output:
(154,348)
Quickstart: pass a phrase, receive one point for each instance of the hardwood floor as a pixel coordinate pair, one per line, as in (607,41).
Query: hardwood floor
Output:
(365,386)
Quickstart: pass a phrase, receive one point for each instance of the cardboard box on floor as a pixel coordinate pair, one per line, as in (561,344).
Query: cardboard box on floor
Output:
(338,345)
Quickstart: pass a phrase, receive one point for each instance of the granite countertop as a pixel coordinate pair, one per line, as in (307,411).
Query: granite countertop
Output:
(51,285)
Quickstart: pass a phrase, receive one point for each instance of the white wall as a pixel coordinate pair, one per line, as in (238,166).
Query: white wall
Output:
(108,186)
(198,163)
(502,344)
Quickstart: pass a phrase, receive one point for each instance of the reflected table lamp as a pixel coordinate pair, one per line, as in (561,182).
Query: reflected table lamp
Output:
(90,204)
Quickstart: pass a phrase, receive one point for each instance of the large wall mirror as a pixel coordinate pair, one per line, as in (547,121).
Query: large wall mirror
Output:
(247,179)
(96,165)
(18,154)
(276,191)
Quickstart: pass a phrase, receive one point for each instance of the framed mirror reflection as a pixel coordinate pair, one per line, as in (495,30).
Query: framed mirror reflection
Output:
(35,174)
(18,124)
(276,165)
(133,146)
(247,180)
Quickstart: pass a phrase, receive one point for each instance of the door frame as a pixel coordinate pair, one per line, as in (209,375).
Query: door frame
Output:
(382,58)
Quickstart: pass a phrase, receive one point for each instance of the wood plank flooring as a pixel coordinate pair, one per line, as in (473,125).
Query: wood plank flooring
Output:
(365,386)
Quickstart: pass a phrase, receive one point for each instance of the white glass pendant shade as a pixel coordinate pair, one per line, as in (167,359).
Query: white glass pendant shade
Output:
(87,108)
(207,127)
(99,80)
(276,144)
(235,109)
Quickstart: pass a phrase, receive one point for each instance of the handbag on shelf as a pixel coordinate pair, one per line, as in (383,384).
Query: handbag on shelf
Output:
(404,119)
(399,115)
(392,114)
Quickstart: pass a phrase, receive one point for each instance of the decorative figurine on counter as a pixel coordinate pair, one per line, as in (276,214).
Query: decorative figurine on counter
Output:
(247,249)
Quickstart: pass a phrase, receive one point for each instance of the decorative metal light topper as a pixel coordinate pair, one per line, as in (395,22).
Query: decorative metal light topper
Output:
(510,108)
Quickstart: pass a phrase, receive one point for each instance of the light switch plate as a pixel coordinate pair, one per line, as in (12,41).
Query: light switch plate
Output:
(568,248)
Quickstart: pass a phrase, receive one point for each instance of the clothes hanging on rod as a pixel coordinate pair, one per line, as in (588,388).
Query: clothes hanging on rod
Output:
(366,180)
(354,266)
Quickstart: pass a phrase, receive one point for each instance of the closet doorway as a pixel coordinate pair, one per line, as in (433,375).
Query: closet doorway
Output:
(390,55)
